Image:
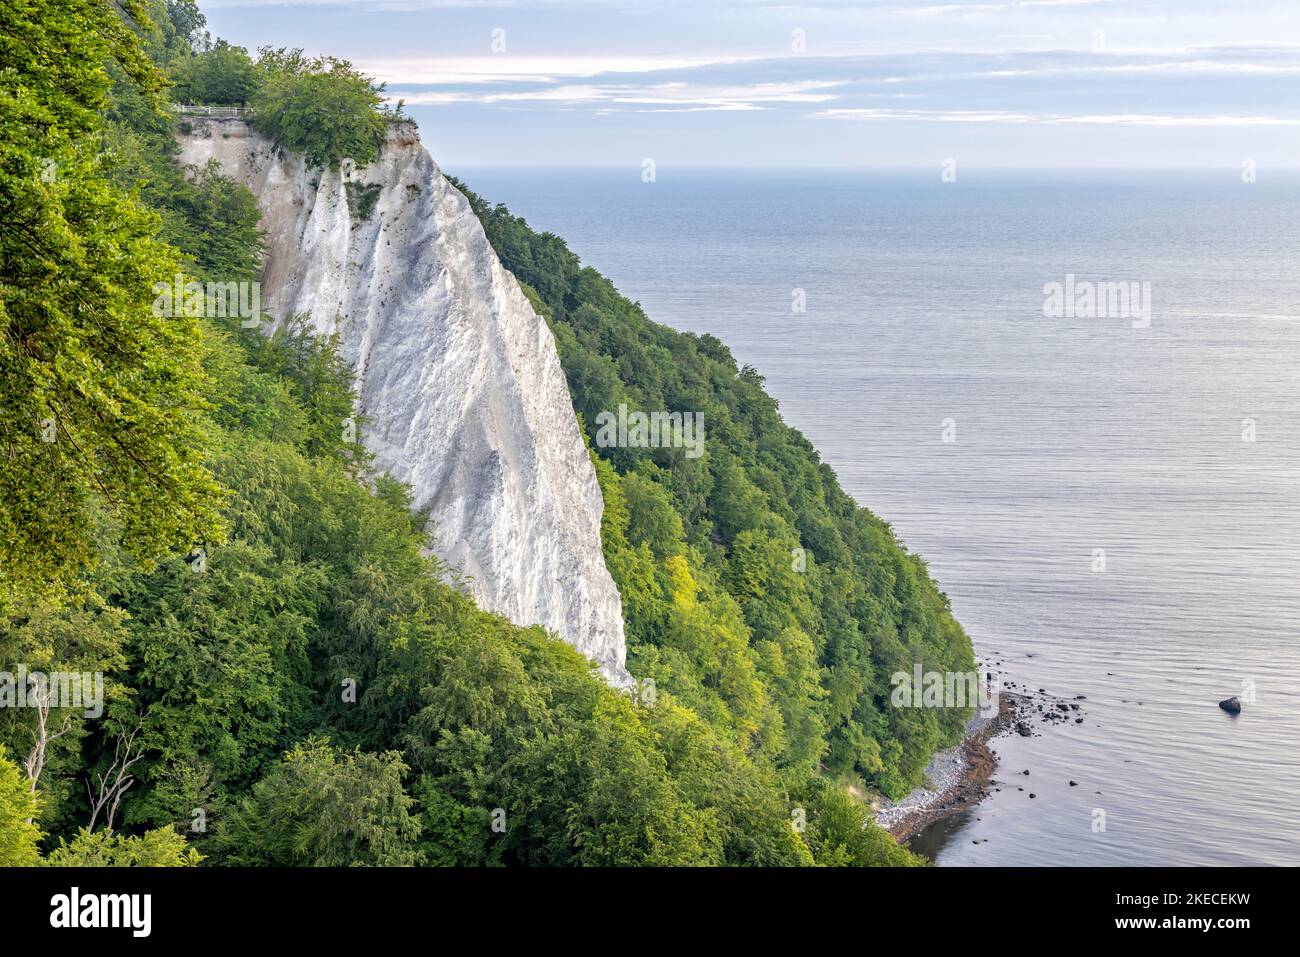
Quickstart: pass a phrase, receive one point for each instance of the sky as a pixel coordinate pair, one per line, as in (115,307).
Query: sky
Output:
(983,83)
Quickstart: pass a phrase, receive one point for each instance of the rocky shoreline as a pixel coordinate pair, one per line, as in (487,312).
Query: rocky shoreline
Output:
(960,777)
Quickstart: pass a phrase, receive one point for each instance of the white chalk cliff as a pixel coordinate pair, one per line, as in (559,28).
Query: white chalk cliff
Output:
(459,382)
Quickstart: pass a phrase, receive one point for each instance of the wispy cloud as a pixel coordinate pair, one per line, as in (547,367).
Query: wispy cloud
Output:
(1010,117)
(822,81)
(1055,86)
(498,68)
(942,9)
(676,95)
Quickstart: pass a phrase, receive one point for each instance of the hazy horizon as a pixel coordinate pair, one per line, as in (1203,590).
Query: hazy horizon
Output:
(1027,83)
(845,167)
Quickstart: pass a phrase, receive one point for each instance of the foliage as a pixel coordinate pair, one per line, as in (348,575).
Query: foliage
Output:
(320,107)
(158,848)
(100,397)
(841,833)
(224,75)
(362,198)
(309,681)
(47,635)
(325,808)
(317,376)
(754,588)
(18,835)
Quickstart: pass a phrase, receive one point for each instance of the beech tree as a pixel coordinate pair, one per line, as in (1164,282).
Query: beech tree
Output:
(320,107)
(18,806)
(323,807)
(162,847)
(223,75)
(100,398)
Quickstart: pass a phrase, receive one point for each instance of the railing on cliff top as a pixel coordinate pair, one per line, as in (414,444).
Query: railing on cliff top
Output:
(246,112)
(214,112)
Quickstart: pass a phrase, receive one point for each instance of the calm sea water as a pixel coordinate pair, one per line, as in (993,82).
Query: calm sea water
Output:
(925,304)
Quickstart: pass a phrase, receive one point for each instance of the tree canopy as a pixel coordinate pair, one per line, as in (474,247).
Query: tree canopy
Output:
(754,588)
(101,398)
(321,107)
(186,509)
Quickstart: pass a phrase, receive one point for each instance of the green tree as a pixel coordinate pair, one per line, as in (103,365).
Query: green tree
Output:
(161,847)
(323,807)
(827,594)
(48,636)
(19,836)
(219,661)
(320,107)
(224,75)
(841,833)
(100,396)
(322,382)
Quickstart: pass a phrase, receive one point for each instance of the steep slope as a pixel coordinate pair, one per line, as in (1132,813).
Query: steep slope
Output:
(758,592)
(460,386)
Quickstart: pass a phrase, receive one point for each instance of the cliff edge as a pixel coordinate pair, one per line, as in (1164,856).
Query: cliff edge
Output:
(458,378)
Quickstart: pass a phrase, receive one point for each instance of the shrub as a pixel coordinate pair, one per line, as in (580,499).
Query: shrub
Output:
(224,75)
(323,108)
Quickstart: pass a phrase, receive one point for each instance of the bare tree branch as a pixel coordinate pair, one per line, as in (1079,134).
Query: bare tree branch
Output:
(35,761)
(115,781)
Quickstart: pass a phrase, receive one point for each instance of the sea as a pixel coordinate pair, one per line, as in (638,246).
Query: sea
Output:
(1077,395)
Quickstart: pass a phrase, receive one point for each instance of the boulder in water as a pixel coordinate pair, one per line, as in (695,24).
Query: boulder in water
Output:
(1231,705)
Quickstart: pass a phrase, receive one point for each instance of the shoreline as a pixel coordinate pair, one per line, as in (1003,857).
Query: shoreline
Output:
(962,775)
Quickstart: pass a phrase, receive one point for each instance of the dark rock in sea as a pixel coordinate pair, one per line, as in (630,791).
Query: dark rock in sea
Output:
(1033,795)
(1231,705)
(1078,721)
(1074,784)
(1081,697)
(1025,772)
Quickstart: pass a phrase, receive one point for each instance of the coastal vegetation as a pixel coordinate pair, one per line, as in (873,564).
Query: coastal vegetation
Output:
(756,591)
(186,509)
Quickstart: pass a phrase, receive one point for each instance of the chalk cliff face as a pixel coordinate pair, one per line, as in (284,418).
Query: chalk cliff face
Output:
(459,382)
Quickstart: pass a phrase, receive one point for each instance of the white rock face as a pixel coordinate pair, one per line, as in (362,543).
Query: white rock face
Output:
(459,381)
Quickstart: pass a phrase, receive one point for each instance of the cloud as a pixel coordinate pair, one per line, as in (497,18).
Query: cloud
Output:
(1207,86)
(503,68)
(664,97)
(1012,117)
(943,9)
(996,72)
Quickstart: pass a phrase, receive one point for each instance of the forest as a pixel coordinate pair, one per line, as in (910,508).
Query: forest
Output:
(187,509)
